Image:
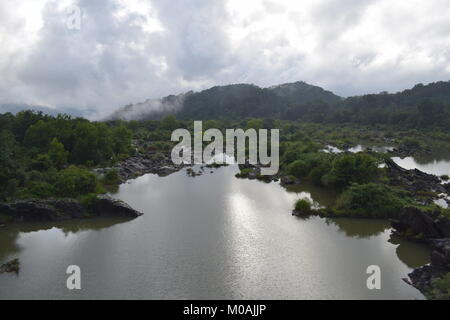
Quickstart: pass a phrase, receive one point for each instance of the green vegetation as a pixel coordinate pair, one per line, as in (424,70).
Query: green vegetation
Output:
(111,177)
(423,106)
(303,207)
(243,173)
(43,156)
(439,288)
(371,200)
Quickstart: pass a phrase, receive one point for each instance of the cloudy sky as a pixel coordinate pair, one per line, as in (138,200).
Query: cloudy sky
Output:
(130,50)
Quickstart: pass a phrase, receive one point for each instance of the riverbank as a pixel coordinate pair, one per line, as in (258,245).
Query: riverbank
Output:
(156,162)
(33,210)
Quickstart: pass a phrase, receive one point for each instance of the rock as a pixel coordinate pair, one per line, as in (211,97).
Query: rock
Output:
(11,266)
(287,180)
(444,227)
(142,163)
(415,181)
(65,209)
(417,222)
(71,207)
(107,206)
(439,266)
(447,187)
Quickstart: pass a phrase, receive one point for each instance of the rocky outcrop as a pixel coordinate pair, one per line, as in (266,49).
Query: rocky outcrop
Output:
(65,209)
(107,206)
(415,181)
(142,163)
(418,224)
(430,227)
(288,180)
(253,172)
(422,278)
(12,266)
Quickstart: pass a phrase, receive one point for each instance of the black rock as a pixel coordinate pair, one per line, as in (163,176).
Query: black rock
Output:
(107,206)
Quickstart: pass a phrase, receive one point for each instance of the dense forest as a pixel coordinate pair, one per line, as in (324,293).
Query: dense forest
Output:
(43,156)
(419,107)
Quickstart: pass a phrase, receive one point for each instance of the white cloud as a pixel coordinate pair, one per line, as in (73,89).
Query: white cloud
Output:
(128,51)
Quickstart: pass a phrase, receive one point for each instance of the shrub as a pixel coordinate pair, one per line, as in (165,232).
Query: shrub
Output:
(440,288)
(244,173)
(39,189)
(371,201)
(57,153)
(303,207)
(41,163)
(75,181)
(352,168)
(111,177)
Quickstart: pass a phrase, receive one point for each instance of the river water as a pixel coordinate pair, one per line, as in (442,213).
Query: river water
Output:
(210,237)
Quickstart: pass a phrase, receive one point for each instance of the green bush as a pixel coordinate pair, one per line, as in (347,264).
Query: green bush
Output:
(111,177)
(371,201)
(41,163)
(39,189)
(243,173)
(75,181)
(352,168)
(303,207)
(440,288)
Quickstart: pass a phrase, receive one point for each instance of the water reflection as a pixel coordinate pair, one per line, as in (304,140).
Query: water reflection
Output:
(419,256)
(209,237)
(425,164)
(360,228)
(9,234)
(320,196)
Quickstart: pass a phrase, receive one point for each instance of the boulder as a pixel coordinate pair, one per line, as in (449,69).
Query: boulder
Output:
(417,222)
(107,206)
(12,266)
(287,180)
(66,209)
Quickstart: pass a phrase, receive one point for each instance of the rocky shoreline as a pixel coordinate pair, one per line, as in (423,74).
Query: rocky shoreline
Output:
(431,228)
(12,266)
(155,162)
(37,210)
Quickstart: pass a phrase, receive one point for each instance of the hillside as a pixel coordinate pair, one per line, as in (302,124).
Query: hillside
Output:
(422,105)
(235,101)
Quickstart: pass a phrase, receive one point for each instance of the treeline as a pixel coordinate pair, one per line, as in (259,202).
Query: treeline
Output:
(419,107)
(42,156)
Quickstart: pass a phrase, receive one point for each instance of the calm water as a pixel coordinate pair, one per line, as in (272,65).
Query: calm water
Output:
(437,167)
(210,237)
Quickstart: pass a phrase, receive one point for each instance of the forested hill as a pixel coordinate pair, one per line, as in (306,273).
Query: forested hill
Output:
(231,101)
(420,106)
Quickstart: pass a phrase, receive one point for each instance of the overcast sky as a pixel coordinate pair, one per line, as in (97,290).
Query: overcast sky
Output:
(130,50)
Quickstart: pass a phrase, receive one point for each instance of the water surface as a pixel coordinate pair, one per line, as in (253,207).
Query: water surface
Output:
(210,237)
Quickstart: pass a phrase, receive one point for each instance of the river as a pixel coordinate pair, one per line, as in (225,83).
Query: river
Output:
(210,237)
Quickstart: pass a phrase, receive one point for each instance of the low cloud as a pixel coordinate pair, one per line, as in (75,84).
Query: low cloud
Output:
(130,51)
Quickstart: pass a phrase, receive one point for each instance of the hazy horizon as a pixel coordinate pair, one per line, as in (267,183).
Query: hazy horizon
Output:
(129,51)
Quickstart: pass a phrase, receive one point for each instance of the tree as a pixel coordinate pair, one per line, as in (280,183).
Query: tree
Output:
(371,201)
(39,136)
(121,139)
(352,168)
(169,123)
(254,124)
(57,153)
(74,181)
